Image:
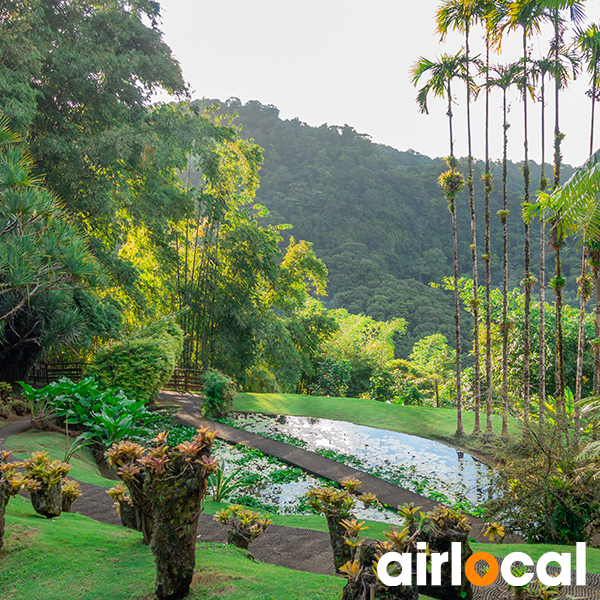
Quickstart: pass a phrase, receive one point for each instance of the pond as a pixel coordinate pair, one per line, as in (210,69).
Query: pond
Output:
(278,487)
(426,467)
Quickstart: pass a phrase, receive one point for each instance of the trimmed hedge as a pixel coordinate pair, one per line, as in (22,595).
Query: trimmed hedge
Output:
(141,365)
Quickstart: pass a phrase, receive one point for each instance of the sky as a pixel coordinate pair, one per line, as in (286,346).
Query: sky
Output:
(347,62)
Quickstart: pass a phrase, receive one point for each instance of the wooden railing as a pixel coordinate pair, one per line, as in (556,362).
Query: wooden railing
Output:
(185,380)
(46,373)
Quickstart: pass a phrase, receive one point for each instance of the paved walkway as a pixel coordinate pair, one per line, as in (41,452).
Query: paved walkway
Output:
(387,493)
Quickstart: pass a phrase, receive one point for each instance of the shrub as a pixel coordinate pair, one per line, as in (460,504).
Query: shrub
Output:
(243,525)
(105,416)
(141,365)
(545,497)
(262,381)
(167,486)
(219,391)
(382,386)
(333,378)
(5,392)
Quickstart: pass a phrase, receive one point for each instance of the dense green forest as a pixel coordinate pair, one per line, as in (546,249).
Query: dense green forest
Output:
(377,218)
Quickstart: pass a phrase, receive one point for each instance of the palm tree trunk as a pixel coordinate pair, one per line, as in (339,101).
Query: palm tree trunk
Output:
(560,364)
(557,134)
(488,257)
(542,360)
(459,420)
(583,298)
(505,328)
(593,107)
(528,278)
(475,300)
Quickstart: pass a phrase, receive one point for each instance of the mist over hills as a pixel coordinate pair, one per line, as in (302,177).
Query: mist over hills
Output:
(378,218)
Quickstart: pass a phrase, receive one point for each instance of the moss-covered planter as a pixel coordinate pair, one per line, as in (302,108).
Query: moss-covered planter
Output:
(360,584)
(47,501)
(3,502)
(176,511)
(129,517)
(237,539)
(342,553)
(166,487)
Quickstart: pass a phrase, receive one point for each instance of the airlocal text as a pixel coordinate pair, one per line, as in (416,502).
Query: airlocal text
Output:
(437,559)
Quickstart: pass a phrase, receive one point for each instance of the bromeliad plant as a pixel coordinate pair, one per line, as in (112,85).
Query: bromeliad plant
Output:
(243,525)
(167,486)
(47,496)
(11,483)
(338,506)
(438,529)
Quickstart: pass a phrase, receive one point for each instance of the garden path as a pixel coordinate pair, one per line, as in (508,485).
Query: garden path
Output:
(387,493)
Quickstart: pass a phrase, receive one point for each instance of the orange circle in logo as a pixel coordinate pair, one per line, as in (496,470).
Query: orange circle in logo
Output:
(474,577)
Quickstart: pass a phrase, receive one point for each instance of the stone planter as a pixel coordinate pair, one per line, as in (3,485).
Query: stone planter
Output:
(47,501)
(129,517)
(235,538)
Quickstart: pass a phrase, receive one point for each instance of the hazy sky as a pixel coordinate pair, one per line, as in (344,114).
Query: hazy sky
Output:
(346,62)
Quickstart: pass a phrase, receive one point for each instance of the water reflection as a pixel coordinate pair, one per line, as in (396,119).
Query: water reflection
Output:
(424,466)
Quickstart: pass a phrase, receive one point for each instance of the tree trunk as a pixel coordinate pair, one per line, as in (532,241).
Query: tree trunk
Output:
(505,329)
(560,360)
(580,344)
(542,355)
(488,259)
(459,420)
(528,278)
(177,505)
(475,301)
(342,553)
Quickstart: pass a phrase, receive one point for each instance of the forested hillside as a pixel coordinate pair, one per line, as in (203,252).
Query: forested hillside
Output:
(378,218)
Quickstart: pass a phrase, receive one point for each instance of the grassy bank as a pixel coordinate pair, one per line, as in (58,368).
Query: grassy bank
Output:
(85,469)
(78,558)
(431,423)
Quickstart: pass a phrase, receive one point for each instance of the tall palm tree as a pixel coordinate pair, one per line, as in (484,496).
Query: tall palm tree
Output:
(526,15)
(441,74)
(541,68)
(484,10)
(588,42)
(505,76)
(458,15)
(575,8)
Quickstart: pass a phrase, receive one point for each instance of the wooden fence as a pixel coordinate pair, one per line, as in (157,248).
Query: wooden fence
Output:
(183,380)
(46,373)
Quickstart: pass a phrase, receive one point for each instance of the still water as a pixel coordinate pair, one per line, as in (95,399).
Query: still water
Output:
(429,468)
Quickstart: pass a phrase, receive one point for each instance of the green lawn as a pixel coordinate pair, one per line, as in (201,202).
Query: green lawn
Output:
(77,558)
(84,466)
(85,469)
(432,423)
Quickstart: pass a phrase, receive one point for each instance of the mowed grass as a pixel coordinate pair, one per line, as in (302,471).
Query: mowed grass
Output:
(77,558)
(84,468)
(432,423)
